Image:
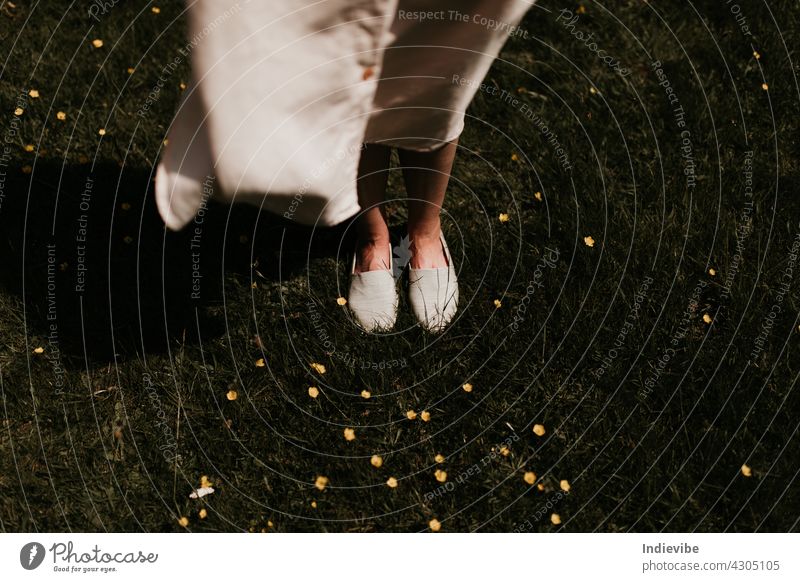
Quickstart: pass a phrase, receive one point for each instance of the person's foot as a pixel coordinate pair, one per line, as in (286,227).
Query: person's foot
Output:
(373,292)
(433,287)
(373,254)
(427,251)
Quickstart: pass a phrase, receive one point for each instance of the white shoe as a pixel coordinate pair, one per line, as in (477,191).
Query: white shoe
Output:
(373,297)
(433,293)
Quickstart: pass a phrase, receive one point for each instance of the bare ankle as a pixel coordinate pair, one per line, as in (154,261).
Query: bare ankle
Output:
(427,251)
(425,233)
(375,239)
(373,254)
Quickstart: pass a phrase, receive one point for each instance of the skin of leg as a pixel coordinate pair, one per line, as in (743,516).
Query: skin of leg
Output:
(372,232)
(426,175)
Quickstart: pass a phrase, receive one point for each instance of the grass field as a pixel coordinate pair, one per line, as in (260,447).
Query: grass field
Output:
(660,355)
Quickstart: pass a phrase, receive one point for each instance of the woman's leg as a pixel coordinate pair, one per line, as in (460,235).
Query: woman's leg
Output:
(372,245)
(426,175)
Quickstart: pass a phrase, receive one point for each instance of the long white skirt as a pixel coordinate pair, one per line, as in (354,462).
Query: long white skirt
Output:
(285,92)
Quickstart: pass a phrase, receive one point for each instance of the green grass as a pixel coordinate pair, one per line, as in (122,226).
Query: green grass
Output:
(146,369)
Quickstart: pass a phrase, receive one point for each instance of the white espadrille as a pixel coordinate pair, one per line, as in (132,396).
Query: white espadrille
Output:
(373,297)
(433,293)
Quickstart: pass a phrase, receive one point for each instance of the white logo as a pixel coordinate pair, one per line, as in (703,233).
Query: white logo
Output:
(402,256)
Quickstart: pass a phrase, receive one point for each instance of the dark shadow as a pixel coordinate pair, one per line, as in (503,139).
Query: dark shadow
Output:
(103,276)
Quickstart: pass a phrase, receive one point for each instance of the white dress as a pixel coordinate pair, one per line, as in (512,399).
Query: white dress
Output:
(285,92)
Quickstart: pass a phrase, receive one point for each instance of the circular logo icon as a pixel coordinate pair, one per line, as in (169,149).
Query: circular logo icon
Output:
(31,555)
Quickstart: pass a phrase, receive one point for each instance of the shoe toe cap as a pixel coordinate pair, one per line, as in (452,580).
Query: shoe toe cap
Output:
(433,295)
(373,300)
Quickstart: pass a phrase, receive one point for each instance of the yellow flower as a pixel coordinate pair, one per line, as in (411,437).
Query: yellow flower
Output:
(467,387)
(391,482)
(314,504)
(589,241)
(232,395)
(592,90)
(712,272)
(183,522)
(555,519)
(365,394)
(321,483)
(411,415)
(319,368)
(101,131)
(131,70)
(757,55)
(205,482)
(505,451)
(341,301)
(514,157)
(564,484)
(707,318)
(540,486)
(260,363)
(441,476)
(425,416)
(503,217)
(349,434)
(538,196)
(155,10)
(97,43)
(61,116)
(33,93)
(498,304)
(19,111)
(530,477)
(581,9)
(39,350)
(765,86)
(313,391)
(203,513)
(538,429)
(746,471)
(376,461)
(439,458)
(29,147)
(434,525)
(182,86)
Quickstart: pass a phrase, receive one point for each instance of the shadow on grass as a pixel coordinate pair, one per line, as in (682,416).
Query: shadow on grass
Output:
(98,272)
